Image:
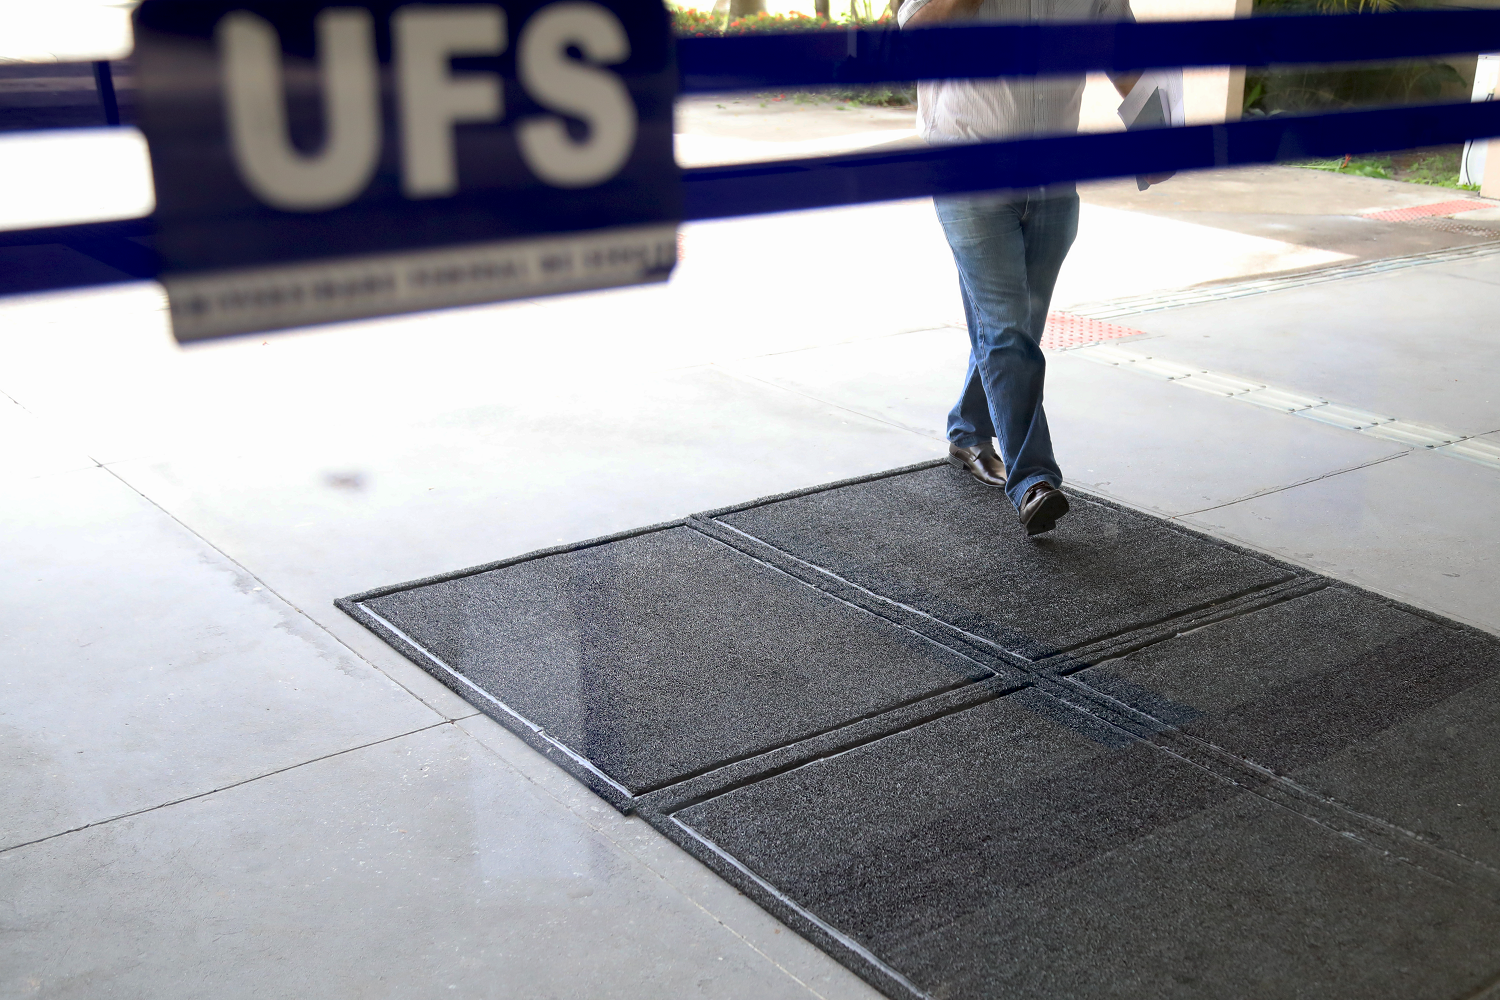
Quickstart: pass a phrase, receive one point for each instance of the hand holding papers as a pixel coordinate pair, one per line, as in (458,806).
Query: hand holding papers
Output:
(1154,102)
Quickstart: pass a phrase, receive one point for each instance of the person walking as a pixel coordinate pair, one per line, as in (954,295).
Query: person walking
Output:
(1009,247)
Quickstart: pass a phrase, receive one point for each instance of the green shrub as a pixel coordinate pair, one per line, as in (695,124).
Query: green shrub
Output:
(692,22)
(689,22)
(1336,88)
(1437,166)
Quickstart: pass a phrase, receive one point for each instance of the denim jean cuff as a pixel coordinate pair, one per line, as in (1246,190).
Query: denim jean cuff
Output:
(1017,491)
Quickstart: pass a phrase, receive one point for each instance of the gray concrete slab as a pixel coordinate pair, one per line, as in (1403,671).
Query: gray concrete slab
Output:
(429,493)
(1421,528)
(1173,450)
(1483,271)
(101,364)
(1268,189)
(743,127)
(1311,208)
(1363,239)
(909,380)
(790,952)
(319,510)
(29,448)
(1415,343)
(423,865)
(802,115)
(1183,450)
(141,666)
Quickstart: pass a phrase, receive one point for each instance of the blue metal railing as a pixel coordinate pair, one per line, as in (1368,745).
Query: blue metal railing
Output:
(972,51)
(822,58)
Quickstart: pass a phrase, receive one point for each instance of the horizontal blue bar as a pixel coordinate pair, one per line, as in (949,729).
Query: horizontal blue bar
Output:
(858,178)
(823,58)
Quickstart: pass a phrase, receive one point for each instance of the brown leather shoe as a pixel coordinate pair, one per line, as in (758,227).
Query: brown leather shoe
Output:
(982,462)
(1041,508)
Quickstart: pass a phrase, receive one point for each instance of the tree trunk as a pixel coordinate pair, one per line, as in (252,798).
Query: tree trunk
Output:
(820,9)
(740,8)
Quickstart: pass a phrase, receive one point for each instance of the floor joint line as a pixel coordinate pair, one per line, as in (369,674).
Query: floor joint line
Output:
(267,587)
(1292,486)
(224,788)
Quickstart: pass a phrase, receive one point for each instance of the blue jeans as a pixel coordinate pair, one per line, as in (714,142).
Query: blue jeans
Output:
(1008,250)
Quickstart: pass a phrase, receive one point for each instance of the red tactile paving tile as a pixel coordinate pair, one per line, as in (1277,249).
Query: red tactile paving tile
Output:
(1066,330)
(1423,211)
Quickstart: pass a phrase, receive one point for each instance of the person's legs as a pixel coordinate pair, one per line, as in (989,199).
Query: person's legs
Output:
(969,423)
(1003,248)
(1050,226)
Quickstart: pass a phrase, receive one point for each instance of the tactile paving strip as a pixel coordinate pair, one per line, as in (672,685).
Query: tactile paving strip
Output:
(1451,444)
(1427,211)
(1065,330)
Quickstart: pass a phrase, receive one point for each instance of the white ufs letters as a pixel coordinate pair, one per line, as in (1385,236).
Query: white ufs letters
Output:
(276,171)
(431,99)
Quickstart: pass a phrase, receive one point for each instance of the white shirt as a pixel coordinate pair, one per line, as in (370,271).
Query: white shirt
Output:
(1008,107)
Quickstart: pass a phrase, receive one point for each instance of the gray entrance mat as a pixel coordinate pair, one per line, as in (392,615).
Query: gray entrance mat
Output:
(1120,760)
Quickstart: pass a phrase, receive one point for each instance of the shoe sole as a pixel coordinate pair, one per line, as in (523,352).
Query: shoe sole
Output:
(1047,514)
(959,463)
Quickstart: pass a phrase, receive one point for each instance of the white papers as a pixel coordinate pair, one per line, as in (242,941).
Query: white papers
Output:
(1154,102)
(1156,99)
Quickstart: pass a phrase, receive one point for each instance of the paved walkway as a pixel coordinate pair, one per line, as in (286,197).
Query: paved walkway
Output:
(218,782)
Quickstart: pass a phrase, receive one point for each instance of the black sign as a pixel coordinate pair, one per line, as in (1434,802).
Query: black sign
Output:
(320,161)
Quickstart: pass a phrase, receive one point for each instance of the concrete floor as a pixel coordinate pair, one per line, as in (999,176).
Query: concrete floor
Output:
(219,783)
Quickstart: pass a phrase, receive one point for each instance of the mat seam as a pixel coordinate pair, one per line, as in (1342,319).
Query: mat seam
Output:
(698,527)
(1167,521)
(980,646)
(987,645)
(1155,726)
(734,785)
(629,800)
(1321,807)
(1093,654)
(868,717)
